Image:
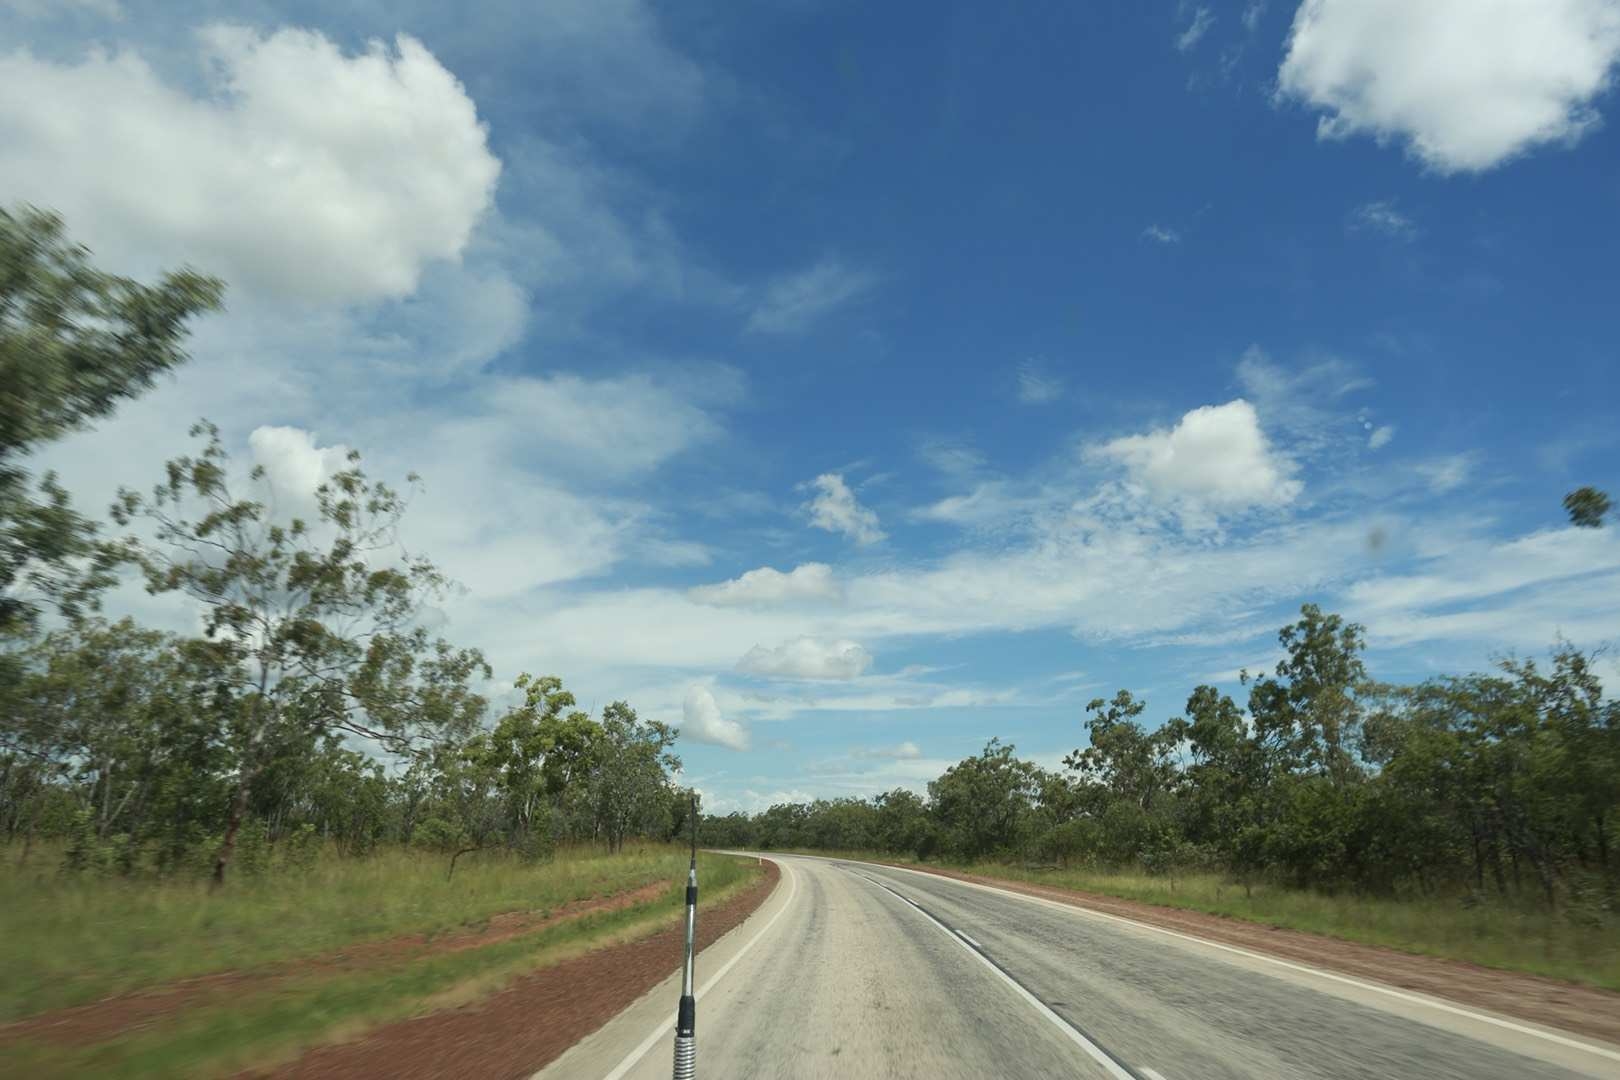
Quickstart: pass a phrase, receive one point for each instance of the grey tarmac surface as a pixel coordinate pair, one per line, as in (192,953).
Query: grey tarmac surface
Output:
(856,970)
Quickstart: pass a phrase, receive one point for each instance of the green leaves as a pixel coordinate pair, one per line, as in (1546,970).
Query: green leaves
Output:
(1587,507)
(74,343)
(318,622)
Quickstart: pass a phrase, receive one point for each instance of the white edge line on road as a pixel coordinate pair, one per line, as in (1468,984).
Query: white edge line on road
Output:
(1152,1074)
(1093,1051)
(1399,995)
(666,1026)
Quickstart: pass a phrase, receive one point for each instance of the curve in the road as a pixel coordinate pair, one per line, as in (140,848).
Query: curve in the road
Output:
(857,969)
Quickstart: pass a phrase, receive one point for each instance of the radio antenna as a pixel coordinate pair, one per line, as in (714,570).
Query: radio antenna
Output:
(686,1017)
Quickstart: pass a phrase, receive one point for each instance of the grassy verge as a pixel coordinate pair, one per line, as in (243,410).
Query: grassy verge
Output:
(71,939)
(262,1029)
(1498,935)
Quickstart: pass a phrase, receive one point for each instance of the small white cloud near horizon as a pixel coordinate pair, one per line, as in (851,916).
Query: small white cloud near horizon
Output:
(793,302)
(1464,85)
(40,9)
(836,510)
(701,720)
(301,173)
(1202,20)
(1216,455)
(807,658)
(902,751)
(1161,234)
(1383,216)
(1036,386)
(1380,437)
(766,586)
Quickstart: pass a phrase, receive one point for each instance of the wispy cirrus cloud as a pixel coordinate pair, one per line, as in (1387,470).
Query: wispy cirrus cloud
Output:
(795,302)
(1384,217)
(1193,33)
(1036,385)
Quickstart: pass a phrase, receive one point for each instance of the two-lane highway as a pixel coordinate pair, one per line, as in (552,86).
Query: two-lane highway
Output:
(855,970)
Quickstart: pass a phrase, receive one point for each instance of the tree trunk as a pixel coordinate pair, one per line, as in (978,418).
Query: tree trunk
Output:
(232,827)
(106,801)
(453,858)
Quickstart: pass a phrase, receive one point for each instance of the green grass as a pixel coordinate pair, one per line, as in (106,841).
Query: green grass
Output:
(73,939)
(261,1029)
(1493,934)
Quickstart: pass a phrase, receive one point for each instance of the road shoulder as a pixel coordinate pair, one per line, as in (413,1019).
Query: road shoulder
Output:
(603,1048)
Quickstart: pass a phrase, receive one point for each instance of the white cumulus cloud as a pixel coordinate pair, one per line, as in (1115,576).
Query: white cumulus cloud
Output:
(1161,234)
(702,722)
(1216,455)
(1465,84)
(767,586)
(300,172)
(292,463)
(1380,437)
(807,658)
(836,509)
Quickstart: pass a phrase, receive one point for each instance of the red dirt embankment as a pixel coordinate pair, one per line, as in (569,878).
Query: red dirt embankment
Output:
(524,1027)
(124,1013)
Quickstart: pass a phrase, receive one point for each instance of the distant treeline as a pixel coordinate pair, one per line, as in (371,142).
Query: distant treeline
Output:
(1490,784)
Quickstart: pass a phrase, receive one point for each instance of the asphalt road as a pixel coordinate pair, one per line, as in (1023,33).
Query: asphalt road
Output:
(853,970)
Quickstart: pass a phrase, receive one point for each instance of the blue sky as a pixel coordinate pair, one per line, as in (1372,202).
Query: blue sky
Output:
(848,384)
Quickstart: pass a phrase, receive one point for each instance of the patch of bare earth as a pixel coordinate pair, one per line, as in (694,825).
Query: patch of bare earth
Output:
(124,1013)
(1572,1007)
(517,1031)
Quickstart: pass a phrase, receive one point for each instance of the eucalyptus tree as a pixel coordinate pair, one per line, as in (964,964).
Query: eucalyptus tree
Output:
(630,780)
(316,624)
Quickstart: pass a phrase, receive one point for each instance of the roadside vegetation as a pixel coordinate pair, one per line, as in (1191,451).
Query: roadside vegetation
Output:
(340,946)
(307,795)
(1470,816)
(74,938)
